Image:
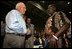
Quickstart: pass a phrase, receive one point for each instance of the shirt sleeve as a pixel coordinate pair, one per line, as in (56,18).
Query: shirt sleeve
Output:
(66,19)
(13,23)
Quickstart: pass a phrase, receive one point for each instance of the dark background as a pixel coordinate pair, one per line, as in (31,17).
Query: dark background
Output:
(38,17)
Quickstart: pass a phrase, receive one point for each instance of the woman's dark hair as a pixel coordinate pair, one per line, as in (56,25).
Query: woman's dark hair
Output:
(54,29)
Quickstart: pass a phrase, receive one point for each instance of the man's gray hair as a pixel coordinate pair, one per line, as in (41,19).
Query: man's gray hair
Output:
(19,4)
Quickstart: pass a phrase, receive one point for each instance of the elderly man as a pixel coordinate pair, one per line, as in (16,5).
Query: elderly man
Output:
(15,27)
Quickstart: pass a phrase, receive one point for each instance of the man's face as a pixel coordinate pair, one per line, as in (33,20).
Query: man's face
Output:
(28,21)
(22,9)
(51,9)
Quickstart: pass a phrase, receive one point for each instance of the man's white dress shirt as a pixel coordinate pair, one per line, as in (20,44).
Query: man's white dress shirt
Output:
(15,23)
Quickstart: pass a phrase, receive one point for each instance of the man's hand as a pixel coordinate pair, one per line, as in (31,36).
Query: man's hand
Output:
(28,31)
